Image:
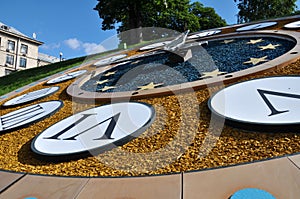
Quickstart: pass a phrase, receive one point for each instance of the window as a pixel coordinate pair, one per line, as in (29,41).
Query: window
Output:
(24,49)
(11,45)
(23,62)
(10,59)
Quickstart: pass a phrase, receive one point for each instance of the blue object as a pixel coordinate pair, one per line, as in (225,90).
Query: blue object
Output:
(30,198)
(252,193)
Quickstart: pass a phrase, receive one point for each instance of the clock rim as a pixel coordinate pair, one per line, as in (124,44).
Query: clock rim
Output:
(77,93)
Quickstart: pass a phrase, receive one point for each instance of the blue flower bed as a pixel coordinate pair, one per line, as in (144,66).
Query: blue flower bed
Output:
(156,68)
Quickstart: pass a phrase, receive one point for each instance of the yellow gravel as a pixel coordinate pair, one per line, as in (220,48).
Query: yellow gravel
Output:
(183,137)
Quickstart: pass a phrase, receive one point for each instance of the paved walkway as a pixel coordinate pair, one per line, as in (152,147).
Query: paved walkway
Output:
(280,177)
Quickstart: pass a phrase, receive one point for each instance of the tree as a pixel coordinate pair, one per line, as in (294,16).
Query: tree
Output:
(207,17)
(127,12)
(177,15)
(253,10)
(297,12)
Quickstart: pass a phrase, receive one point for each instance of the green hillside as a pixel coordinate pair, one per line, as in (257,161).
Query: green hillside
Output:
(21,78)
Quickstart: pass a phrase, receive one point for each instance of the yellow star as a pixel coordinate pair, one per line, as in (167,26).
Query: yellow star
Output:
(107,88)
(270,46)
(255,61)
(214,73)
(102,82)
(227,41)
(255,41)
(110,73)
(149,86)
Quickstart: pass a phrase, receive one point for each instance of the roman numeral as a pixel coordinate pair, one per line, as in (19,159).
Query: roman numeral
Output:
(274,111)
(107,135)
(11,120)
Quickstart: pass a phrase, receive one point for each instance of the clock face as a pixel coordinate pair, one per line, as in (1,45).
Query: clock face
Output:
(206,61)
(154,128)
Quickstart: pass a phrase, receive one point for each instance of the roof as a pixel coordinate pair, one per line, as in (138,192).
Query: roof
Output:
(14,31)
(11,29)
(48,58)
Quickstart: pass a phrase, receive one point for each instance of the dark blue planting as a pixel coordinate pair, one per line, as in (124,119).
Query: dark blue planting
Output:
(216,55)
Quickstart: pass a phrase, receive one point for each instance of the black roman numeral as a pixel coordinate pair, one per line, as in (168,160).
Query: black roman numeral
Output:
(274,111)
(27,114)
(107,135)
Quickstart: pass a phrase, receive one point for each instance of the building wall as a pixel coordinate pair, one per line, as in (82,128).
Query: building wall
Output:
(43,63)
(44,59)
(31,56)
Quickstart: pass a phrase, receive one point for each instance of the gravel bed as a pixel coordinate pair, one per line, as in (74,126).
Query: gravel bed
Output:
(227,57)
(182,138)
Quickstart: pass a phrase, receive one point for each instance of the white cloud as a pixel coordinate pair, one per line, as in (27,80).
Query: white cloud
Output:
(89,48)
(92,48)
(73,43)
(50,46)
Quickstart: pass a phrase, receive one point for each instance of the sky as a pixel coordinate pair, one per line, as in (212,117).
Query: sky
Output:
(73,27)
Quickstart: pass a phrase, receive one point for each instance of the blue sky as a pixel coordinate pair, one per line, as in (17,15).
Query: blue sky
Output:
(72,26)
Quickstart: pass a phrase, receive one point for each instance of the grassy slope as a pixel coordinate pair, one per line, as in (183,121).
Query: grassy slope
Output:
(21,78)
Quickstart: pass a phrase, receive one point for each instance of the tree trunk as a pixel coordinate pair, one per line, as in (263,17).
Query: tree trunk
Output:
(135,23)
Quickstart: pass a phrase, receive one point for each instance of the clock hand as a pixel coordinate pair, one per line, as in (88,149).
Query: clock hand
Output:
(177,42)
(176,54)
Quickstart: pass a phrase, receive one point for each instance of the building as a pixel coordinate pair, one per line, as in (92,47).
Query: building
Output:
(44,59)
(19,52)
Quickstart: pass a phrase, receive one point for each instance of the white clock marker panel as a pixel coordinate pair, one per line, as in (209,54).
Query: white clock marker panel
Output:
(28,115)
(293,25)
(31,96)
(66,77)
(153,46)
(110,60)
(204,34)
(267,101)
(256,26)
(95,130)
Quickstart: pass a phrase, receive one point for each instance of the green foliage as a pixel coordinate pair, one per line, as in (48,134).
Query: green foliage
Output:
(253,10)
(177,15)
(297,12)
(207,17)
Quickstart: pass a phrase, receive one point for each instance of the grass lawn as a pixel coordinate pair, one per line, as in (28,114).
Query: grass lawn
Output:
(22,78)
